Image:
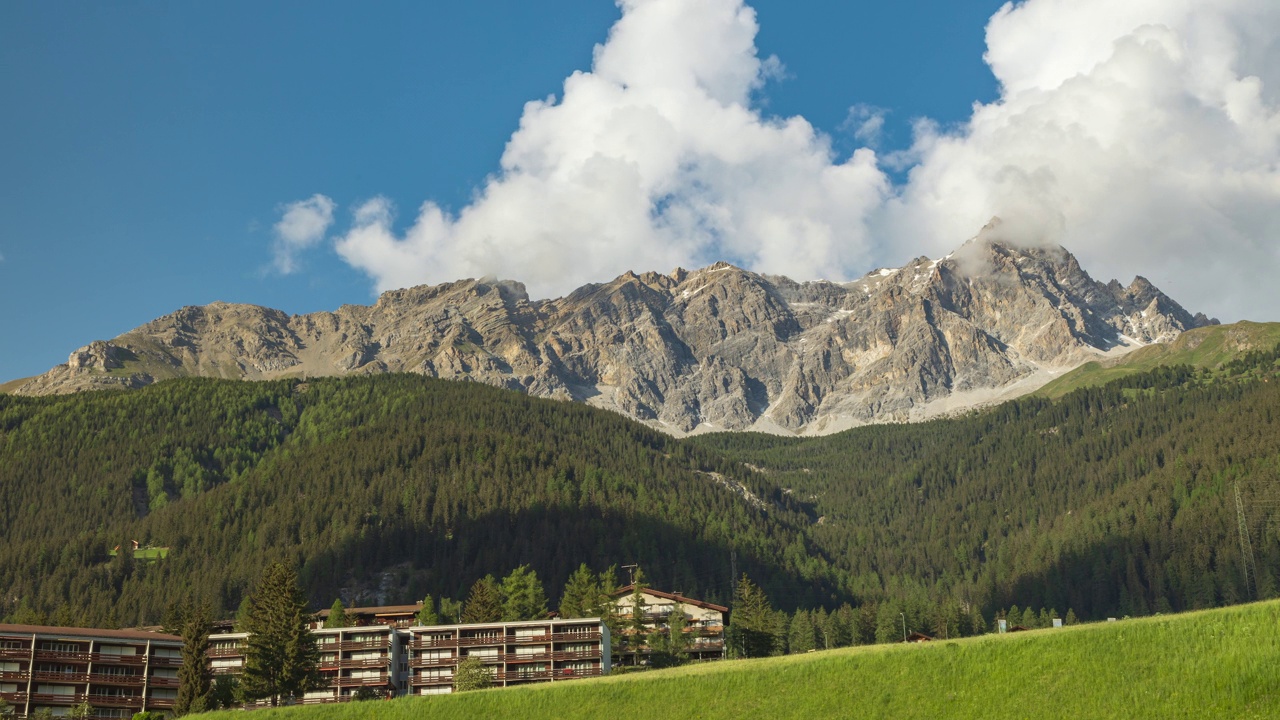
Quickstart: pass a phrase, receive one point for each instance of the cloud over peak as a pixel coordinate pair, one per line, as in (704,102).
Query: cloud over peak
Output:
(1144,136)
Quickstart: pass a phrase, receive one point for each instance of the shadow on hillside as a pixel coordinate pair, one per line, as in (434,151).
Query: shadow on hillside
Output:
(410,562)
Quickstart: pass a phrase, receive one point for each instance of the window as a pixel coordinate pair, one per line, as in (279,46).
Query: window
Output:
(13,645)
(484,653)
(9,667)
(227,663)
(114,671)
(8,687)
(164,694)
(117,650)
(56,689)
(530,632)
(580,647)
(165,672)
(365,674)
(367,655)
(436,655)
(166,652)
(526,671)
(531,650)
(52,646)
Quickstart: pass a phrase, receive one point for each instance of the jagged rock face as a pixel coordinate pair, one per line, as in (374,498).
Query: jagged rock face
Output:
(717,348)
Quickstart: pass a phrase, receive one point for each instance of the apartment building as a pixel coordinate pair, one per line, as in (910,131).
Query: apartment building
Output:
(422,659)
(704,629)
(117,672)
(514,653)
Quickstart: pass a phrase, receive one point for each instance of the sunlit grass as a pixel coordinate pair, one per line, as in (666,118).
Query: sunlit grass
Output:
(1212,664)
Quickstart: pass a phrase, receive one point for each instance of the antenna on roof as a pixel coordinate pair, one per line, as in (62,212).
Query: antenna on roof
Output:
(631,570)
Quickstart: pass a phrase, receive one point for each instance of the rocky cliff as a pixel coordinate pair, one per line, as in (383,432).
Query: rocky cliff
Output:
(717,348)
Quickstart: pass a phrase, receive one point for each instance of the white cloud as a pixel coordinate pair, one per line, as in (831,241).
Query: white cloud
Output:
(302,225)
(655,158)
(1144,136)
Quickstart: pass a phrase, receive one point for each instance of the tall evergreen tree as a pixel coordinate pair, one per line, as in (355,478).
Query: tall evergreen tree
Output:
(338,617)
(428,615)
(281,653)
(523,597)
(751,631)
(605,605)
(484,603)
(581,594)
(195,682)
(800,637)
(638,625)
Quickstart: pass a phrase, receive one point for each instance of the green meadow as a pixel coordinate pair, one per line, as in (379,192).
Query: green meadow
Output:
(1212,664)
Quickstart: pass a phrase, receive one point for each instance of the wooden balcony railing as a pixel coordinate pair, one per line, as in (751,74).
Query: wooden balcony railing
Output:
(376,680)
(224,652)
(14,676)
(77,678)
(125,701)
(50,699)
(163,681)
(432,662)
(15,654)
(118,659)
(56,656)
(112,679)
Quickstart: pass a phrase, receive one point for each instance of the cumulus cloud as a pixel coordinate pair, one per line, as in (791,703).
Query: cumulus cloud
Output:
(302,225)
(1144,136)
(655,158)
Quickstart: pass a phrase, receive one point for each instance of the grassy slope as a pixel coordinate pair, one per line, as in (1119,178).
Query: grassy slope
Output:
(1206,347)
(1211,664)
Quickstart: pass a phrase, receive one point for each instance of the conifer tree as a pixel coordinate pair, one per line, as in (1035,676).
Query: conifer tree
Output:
(1071,618)
(484,603)
(800,633)
(523,597)
(638,626)
(338,617)
(195,683)
(581,594)
(281,653)
(605,606)
(428,615)
(751,631)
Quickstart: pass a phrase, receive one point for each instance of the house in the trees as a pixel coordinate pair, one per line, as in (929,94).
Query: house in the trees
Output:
(704,628)
(397,616)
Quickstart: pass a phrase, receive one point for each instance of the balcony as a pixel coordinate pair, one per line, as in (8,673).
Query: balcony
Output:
(363,645)
(432,662)
(55,656)
(580,655)
(166,661)
(14,676)
(111,679)
(428,644)
(50,699)
(428,680)
(224,652)
(383,661)
(15,654)
(517,658)
(164,682)
(373,681)
(61,677)
(125,701)
(118,659)
(233,670)
(15,698)
(516,676)
(161,703)
(573,674)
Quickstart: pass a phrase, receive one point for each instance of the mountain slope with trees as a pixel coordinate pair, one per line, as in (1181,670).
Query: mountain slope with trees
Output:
(1117,500)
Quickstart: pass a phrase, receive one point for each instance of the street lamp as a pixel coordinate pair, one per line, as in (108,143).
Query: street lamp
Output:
(904,626)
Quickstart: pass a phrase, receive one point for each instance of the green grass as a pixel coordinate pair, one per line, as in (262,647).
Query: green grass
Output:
(149,554)
(1213,664)
(1207,347)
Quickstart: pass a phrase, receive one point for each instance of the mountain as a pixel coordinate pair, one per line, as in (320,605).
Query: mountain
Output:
(714,349)
(1118,500)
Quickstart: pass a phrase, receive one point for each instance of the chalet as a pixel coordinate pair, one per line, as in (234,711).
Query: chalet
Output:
(704,629)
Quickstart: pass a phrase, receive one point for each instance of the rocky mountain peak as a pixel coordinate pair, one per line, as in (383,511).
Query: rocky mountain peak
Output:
(714,348)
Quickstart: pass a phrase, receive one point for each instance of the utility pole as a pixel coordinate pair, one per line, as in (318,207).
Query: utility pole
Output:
(1247,565)
(904,626)
(631,571)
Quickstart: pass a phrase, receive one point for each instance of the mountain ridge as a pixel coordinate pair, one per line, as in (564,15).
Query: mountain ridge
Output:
(719,348)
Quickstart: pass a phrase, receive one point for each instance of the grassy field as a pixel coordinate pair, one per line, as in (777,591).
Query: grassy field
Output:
(1206,347)
(1214,664)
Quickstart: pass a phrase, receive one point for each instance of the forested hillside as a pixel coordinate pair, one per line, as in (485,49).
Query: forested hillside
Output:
(1117,500)
(1111,501)
(399,483)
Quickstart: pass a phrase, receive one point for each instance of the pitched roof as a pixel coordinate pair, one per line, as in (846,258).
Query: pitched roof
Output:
(87,633)
(627,590)
(379,610)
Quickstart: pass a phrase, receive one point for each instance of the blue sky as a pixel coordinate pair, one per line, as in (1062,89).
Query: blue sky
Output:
(149,148)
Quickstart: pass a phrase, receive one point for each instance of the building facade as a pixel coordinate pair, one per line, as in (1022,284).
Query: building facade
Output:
(117,672)
(421,660)
(704,625)
(514,653)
